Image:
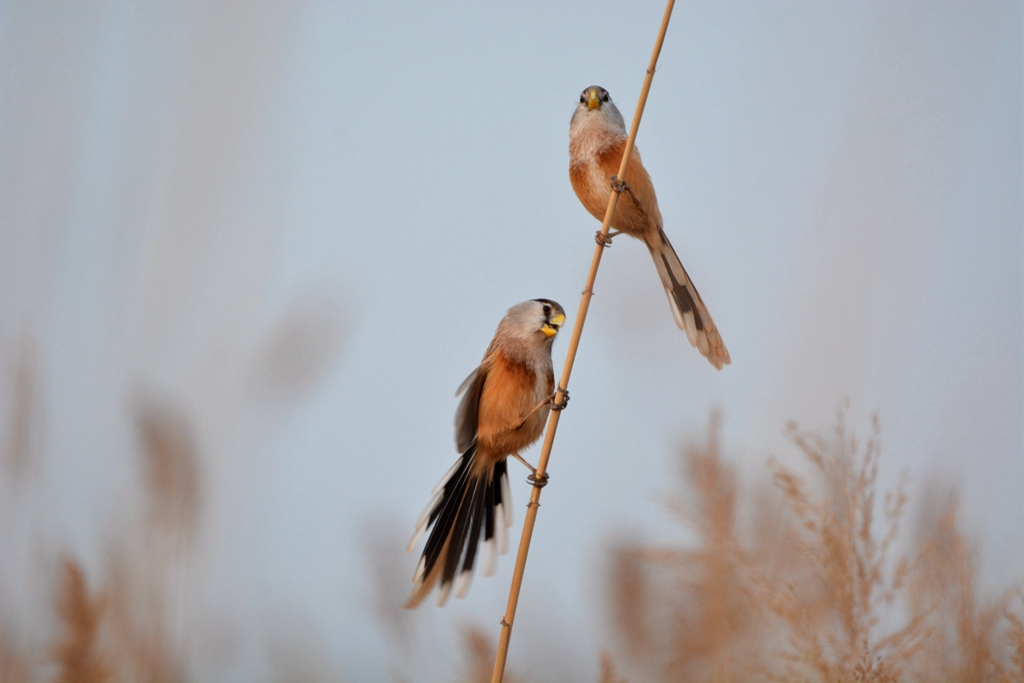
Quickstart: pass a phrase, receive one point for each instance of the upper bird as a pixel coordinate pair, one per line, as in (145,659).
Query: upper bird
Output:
(503,410)
(597,139)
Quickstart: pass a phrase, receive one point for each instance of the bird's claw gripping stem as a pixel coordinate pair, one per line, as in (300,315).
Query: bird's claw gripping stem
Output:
(540,482)
(621,186)
(561,405)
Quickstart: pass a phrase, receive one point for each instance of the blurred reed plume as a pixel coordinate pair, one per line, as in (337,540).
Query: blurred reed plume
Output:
(297,351)
(832,607)
(171,465)
(971,639)
(76,652)
(479,657)
(147,575)
(803,585)
(688,613)
(1015,633)
(608,670)
(128,633)
(131,616)
(14,663)
(141,643)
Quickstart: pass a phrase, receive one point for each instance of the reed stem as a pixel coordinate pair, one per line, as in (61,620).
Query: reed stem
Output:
(570,358)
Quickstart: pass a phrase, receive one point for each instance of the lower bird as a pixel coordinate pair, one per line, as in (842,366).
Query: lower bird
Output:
(504,406)
(597,140)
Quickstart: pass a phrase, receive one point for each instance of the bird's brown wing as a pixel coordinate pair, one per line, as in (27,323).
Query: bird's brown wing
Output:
(637,211)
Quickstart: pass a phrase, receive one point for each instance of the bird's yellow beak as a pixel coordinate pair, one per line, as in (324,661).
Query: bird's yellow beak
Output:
(593,101)
(550,328)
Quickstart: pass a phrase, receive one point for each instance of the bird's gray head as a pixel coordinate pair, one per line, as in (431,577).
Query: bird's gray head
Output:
(595,101)
(537,319)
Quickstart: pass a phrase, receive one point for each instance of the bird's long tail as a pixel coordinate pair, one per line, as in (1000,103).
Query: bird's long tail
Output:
(688,308)
(469,502)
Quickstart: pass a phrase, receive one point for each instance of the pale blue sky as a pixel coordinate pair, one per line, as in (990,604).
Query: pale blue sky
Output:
(181,182)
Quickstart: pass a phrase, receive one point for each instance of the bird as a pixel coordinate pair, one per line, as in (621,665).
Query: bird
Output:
(505,404)
(597,140)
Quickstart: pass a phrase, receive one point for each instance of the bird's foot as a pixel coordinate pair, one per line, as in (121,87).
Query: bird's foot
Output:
(621,186)
(534,480)
(540,482)
(606,240)
(560,405)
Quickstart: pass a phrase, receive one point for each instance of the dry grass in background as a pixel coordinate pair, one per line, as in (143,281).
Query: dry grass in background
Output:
(814,579)
(128,620)
(807,585)
(76,652)
(126,633)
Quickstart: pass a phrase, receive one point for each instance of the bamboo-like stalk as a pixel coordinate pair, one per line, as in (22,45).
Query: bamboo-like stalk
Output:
(570,358)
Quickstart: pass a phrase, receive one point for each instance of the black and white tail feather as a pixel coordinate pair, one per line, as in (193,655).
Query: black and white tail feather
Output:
(688,308)
(464,505)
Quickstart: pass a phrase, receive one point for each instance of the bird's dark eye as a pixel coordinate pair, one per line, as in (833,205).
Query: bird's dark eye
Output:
(604,96)
(547,310)
(583,98)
